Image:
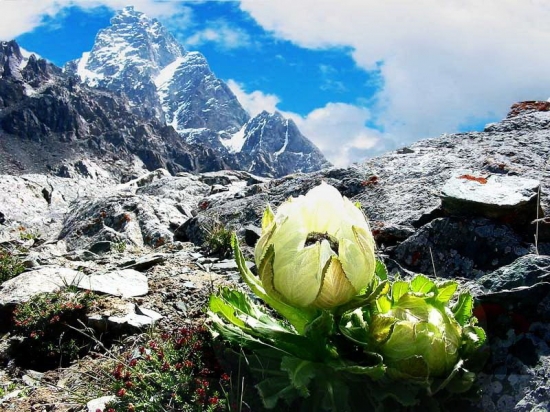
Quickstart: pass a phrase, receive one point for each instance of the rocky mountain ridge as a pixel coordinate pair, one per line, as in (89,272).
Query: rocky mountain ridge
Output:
(139,57)
(49,122)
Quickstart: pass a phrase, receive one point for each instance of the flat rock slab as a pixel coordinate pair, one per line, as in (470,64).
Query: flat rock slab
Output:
(511,198)
(145,262)
(125,283)
(130,318)
(41,280)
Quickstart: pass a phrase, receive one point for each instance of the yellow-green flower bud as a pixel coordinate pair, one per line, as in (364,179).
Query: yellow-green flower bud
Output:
(317,251)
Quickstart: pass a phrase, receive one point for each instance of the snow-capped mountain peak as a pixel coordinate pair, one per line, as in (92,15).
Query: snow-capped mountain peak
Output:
(127,56)
(140,58)
(135,39)
(193,97)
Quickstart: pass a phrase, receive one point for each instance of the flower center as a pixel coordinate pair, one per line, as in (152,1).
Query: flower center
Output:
(314,237)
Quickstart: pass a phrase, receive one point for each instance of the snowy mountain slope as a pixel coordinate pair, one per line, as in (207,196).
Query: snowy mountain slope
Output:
(49,122)
(127,56)
(139,57)
(193,97)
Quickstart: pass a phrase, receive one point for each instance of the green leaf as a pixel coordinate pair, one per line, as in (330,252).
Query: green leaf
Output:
(232,333)
(421,284)
(449,378)
(399,288)
(335,395)
(353,326)
(383,304)
(445,291)
(381,270)
(461,382)
(252,281)
(321,327)
(473,338)
(405,393)
(371,365)
(300,373)
(411,306)
(376,371)
(364,300)
(414,369)
(239,301)
(219,306)
(274,389)
(267,218)
(382,327)
(258,328)
(463,309)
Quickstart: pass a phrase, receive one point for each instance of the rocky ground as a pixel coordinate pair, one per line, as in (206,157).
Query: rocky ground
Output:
(470,207)
(179,281)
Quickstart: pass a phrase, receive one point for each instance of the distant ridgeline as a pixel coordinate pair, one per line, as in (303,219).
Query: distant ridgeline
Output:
(139,98)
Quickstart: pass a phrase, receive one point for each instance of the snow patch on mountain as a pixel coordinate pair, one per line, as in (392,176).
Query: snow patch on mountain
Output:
(167,74)
(236,142)
(87,76)
(285,144)
(26,55)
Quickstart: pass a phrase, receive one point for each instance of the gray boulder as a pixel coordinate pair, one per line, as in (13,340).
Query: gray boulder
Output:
(460,247)
(143,212)
(509,199)
(525,271)
(42,280)
(38,203)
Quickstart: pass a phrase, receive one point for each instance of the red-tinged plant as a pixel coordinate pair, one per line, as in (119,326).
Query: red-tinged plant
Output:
(10,265)
(45,322)
(175,371)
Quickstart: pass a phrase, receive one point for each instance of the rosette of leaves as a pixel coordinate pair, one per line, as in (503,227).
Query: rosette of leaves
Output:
(427,337)
(355,357)
(345,336)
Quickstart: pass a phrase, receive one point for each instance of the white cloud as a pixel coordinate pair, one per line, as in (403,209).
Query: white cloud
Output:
(444,62)
(338,129)
(22,16)
(223,34)
(254,102)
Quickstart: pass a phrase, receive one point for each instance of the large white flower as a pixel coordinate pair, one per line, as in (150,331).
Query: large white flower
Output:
(317,251)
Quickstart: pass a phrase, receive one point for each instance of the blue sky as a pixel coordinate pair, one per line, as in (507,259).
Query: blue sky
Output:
(358,76)
(252,57)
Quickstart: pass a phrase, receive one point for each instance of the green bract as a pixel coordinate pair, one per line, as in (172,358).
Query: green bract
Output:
(418,334)
(317,251)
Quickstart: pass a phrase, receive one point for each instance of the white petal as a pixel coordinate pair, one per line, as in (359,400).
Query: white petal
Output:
(298,274)
(354,215)
(357,265)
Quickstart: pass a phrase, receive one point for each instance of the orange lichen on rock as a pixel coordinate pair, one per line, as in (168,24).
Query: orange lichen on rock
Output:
(528,107)
(371,181)
(480,180)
